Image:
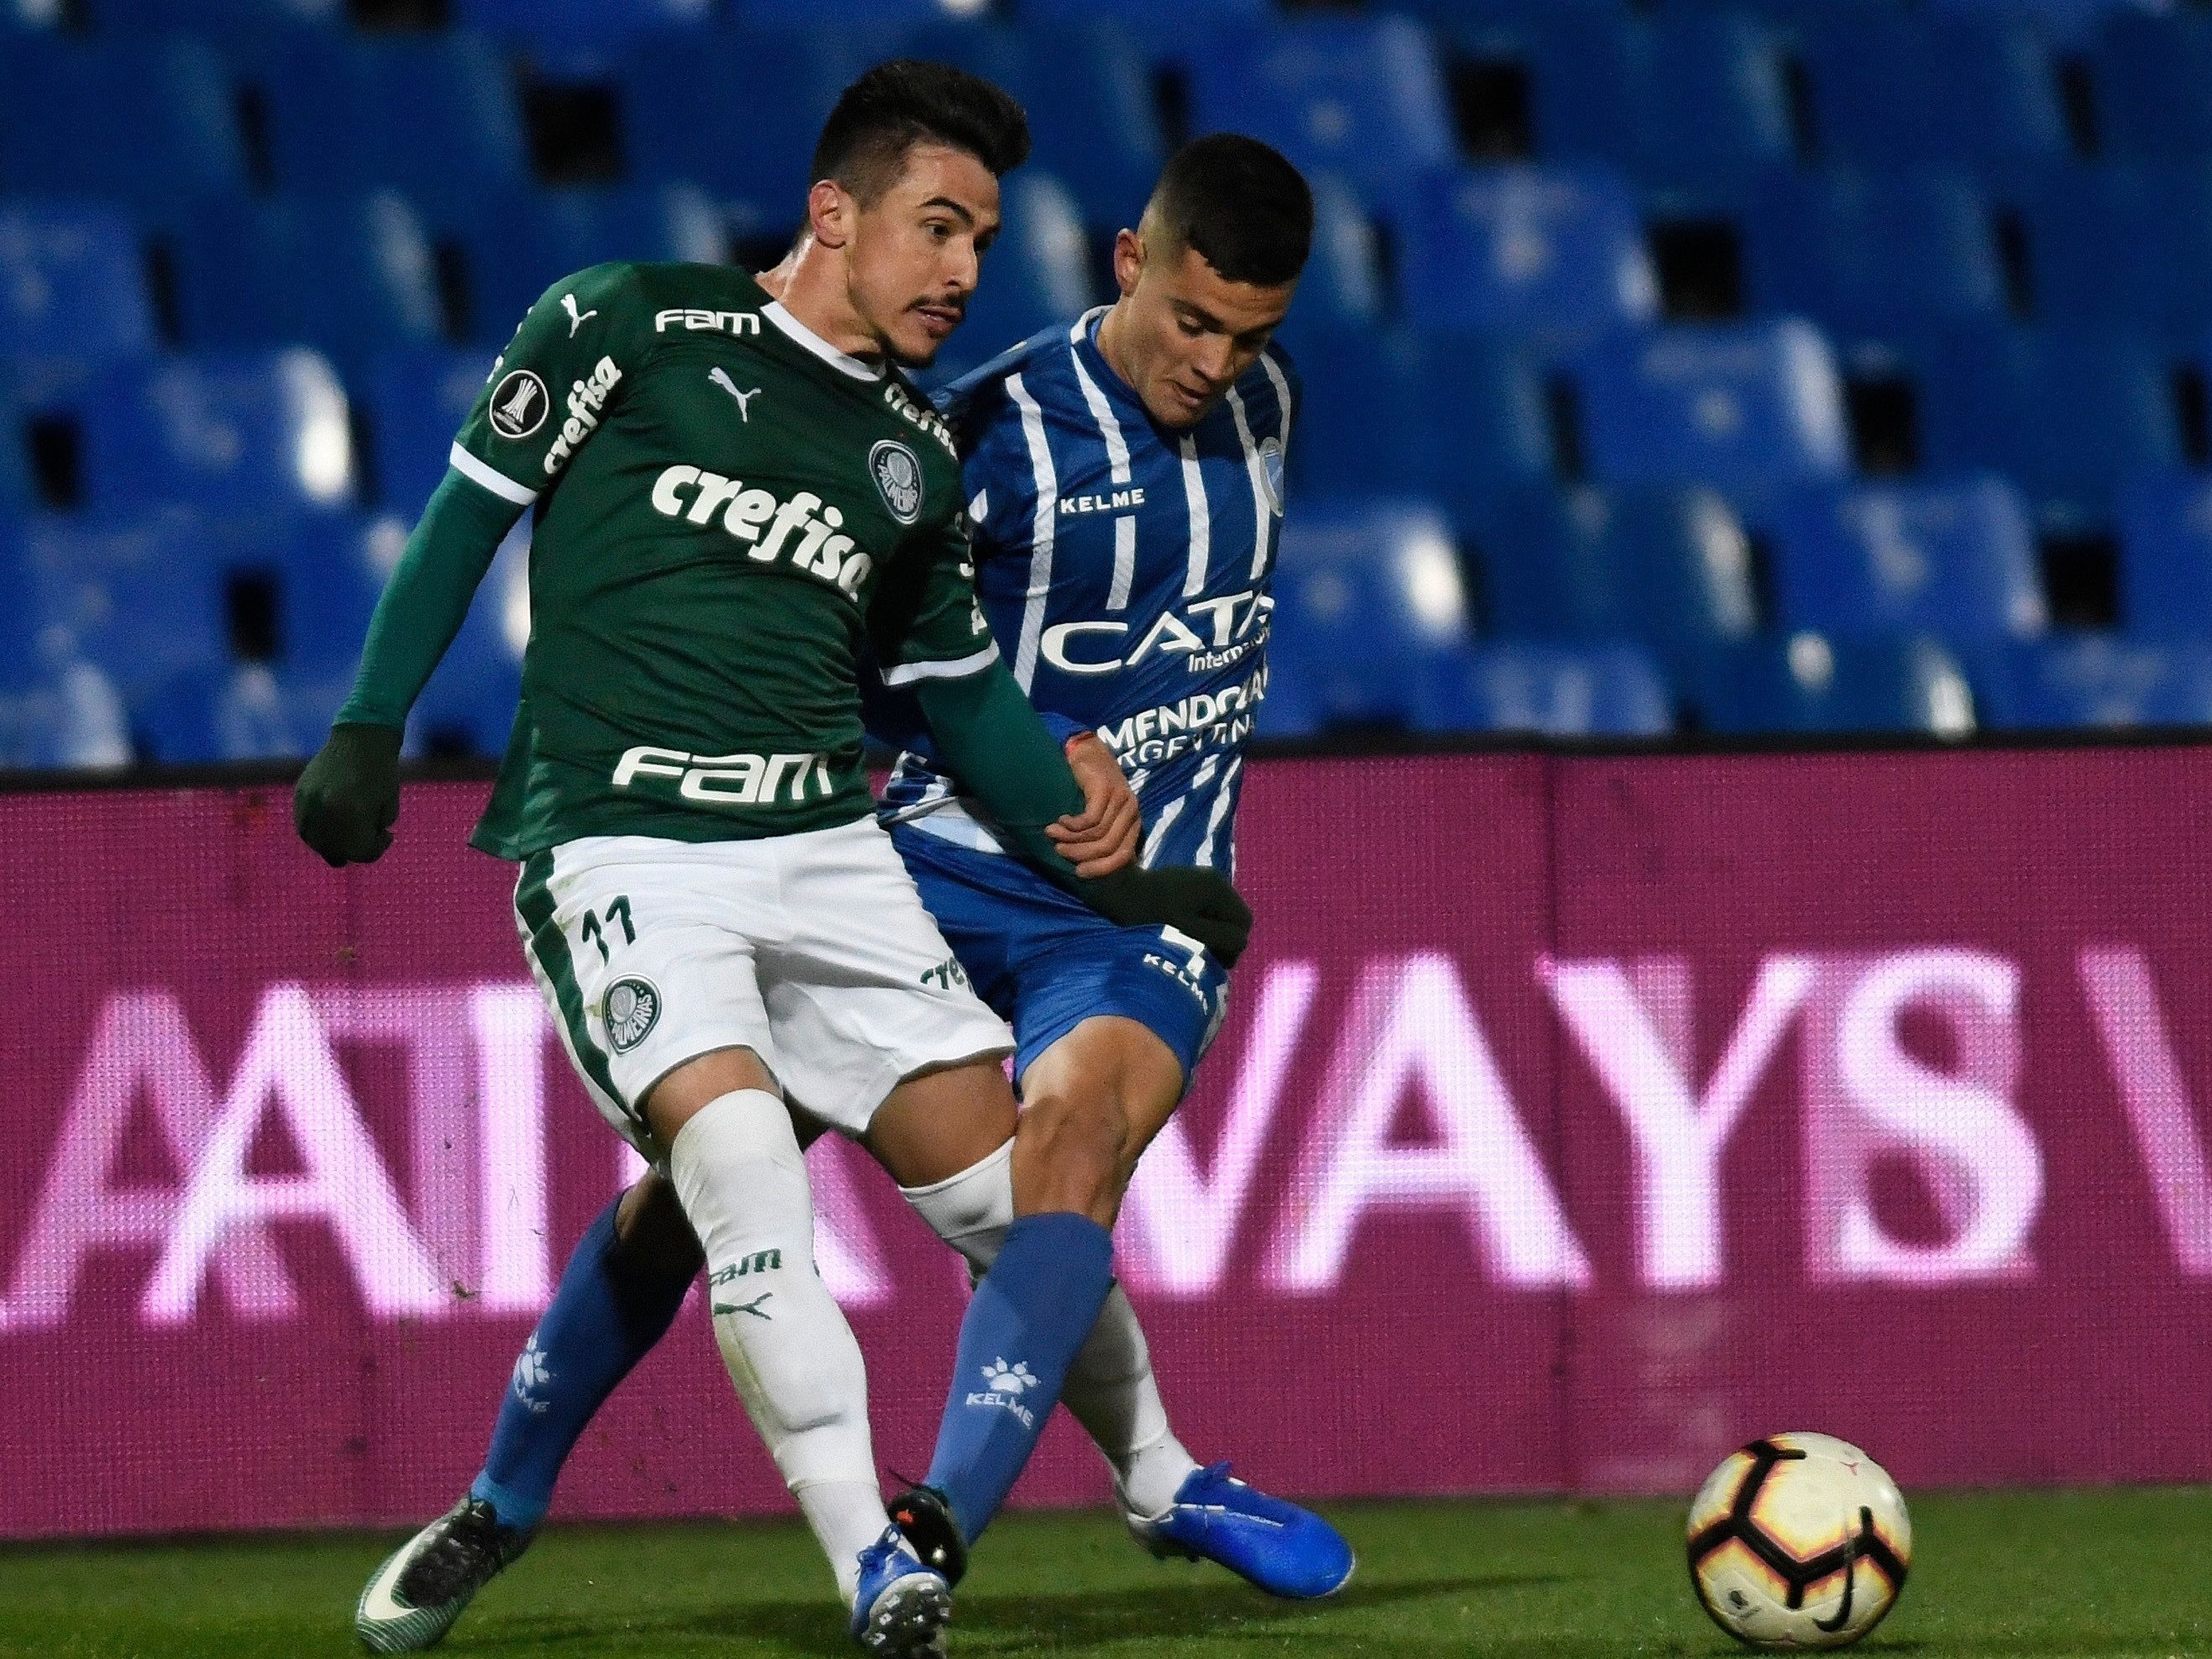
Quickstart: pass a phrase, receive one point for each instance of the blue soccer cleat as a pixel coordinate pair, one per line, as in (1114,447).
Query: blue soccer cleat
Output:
(1283,1549)
(901,1607)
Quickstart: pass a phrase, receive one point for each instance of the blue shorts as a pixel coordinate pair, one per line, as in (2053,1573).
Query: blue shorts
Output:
(1047,962)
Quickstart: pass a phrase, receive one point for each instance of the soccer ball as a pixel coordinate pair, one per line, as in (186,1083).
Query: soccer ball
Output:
(1799,1540)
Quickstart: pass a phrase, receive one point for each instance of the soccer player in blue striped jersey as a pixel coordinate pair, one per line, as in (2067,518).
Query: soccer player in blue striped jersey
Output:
(1125,477)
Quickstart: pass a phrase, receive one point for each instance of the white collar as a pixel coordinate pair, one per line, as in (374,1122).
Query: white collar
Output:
(844,361)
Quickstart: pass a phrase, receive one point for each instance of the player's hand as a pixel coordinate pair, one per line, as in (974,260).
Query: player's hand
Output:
(1200,902)
(1103,838)
(346,800)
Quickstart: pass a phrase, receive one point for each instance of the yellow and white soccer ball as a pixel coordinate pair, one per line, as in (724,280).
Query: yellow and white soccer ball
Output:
(1799,1540)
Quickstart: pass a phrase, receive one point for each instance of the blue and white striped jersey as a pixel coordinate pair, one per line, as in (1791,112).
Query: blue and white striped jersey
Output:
(1126,570)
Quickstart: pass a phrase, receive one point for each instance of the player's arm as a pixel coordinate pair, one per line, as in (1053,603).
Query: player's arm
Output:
(548,393)
(931,639)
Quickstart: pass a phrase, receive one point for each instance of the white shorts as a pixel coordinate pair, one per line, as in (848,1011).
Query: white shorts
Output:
(813,950)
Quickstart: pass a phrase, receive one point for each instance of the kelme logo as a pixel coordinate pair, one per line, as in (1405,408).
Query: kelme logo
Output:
(898,478)
(519,405)
(633,1005)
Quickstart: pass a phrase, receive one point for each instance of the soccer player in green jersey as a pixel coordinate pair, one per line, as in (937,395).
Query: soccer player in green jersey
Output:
(734,492)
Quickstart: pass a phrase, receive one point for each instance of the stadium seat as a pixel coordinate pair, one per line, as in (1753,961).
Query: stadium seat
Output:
(2088,680)
(415,402)
(2151,75)
(230,433)
(1039,274)
(560,29)
(1365,591)
(1749,407)
(1549,250)
(354,277)
(2068,22)
(1891,88)
(1362,98)
(2069,414)
(141,599)
(1428,415)
(468,708)
(2160,213)
(72,286)
(229,712)
(1809,683)
(2166,556)
(433,115)
(149,123)
(1955,559)
(1685,97)
(119,19)
(1553,690)
(1669,567)
(1865,253)
(327,571)
(1341,293)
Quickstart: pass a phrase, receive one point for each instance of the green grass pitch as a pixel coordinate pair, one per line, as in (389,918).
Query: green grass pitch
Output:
(2115,1574)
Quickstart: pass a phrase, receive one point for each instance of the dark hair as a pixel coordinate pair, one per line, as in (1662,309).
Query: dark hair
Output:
(1246,209)
(905,102)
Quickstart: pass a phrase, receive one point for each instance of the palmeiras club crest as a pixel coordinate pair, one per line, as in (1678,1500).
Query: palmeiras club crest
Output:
(898,478)
(633,1005)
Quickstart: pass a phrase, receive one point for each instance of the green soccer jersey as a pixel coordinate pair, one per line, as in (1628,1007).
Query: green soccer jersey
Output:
(724,504)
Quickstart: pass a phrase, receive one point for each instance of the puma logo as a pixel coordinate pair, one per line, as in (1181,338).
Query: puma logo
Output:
(576,319)
(730,387)
(752,1307)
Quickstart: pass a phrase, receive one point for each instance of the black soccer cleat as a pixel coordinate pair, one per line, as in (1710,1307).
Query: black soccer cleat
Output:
(924,1515)
(426,1583)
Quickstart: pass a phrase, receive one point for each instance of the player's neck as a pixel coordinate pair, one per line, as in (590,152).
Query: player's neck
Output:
(809,286)
(1114,346)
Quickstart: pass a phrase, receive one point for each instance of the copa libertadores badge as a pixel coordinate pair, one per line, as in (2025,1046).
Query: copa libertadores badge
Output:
(633,1005)
(518,406)
(898,478)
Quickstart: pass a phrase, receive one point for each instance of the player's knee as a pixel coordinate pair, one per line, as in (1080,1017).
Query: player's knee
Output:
(1082,1142)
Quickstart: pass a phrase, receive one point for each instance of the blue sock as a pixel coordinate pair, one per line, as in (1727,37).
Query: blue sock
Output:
(1028,1319)
(606,1314)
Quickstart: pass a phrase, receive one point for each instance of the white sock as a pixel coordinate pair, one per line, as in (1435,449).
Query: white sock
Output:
(743,1185)
(1110,1387)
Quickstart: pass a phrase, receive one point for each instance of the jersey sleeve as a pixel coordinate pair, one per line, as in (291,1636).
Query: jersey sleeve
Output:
(569,365)
(924,622)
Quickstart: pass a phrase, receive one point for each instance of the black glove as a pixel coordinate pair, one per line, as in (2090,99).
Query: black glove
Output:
(344,803)
(1200,903)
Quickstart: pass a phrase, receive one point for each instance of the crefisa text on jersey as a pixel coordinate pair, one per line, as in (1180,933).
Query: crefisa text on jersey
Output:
(586,399)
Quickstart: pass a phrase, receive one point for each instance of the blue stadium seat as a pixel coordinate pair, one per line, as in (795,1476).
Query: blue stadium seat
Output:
(1541,250)
(1038,273)
(15,491)
(1890,88)
(328,570)
(1685,97)
(1669,567)
(2088,680)
(1808,683)
(72,285)
(120,19)
(734,112)
(1554,690)
(231,433)
(1397,411)
(1865,252)
(352,277)
(1342,290)
(1955,559)
(433,115)
(1362,98)
(2166,556)
(141,599)
(149,123)
(1364,590)
(559,30)
(229,713)
(416,403)
(468,708)
(2069,414)
(2151,75)
(2160,214)
(1749,407)
(2070,22)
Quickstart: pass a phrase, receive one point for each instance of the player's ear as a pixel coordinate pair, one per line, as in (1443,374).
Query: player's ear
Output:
(1128,260)
(831,210)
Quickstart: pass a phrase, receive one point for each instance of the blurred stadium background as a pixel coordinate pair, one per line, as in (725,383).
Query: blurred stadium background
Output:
(1791,365)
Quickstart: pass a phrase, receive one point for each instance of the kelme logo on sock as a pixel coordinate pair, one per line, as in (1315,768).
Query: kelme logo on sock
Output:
(1003,1385)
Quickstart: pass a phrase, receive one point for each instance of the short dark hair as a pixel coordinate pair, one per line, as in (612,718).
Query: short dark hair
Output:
(908,101)
(1247,211)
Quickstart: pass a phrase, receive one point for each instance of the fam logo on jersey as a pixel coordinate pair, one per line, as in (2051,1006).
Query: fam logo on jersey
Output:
(632,1008)
(898,478)
(520,404)
(1003,1385)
